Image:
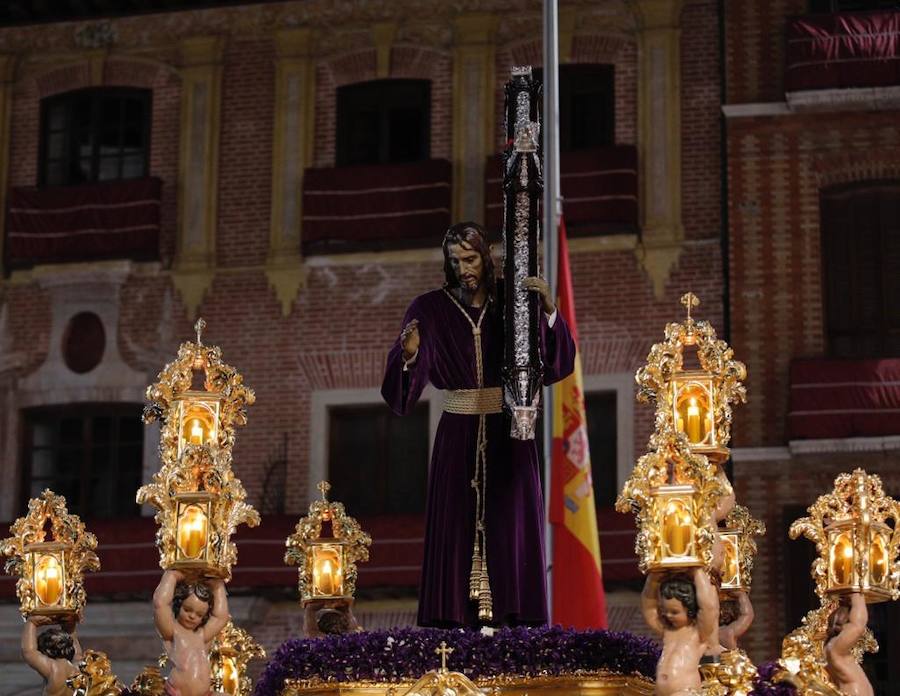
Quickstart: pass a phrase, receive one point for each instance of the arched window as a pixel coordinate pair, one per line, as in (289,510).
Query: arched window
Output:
(861,269)
(383,121)
(96,134)
(90,453)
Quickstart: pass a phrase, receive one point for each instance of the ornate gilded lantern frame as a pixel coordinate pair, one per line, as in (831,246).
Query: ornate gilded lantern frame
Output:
(233,649)
(715,387)
(740,549)
(306,546)
(72,549)
(858,550)
(198,474)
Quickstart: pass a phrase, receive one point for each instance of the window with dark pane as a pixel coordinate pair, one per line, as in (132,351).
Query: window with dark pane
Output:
(600,408)
(383,121)
(90,453)
(95,135)
(587,105)
(378,461)
(861,269)
(829,6)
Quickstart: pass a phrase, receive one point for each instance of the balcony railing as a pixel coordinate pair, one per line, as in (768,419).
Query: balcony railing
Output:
(844,398)
(376,207)
(843,50)
(89,222)
(599,189)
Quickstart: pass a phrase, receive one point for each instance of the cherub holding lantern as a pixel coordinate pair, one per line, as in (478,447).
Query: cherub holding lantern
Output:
(188,616)
(683,609)
(53,654)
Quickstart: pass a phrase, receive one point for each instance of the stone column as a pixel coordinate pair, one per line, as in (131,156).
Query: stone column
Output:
(201,73)
(473,111)
(291,154)
(659,137)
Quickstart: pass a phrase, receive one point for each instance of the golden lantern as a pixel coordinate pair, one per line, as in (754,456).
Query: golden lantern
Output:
(673,493)
(327,563)
(675,510)
(199,500)
(695,404)
(50,550)
(193,512)
(739,549)
(858,550)
(229,654)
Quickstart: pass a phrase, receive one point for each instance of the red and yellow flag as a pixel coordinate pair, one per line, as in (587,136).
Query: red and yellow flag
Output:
(578,598)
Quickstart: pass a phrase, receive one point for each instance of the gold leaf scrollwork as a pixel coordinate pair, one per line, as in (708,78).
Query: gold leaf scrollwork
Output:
(49,510)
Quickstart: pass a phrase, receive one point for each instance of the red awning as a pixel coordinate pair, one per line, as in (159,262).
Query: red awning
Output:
(844,398)
(852,49)
(106,220)
(376,207)
(599,189)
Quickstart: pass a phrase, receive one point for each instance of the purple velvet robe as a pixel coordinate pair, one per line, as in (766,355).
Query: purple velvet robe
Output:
(514,508)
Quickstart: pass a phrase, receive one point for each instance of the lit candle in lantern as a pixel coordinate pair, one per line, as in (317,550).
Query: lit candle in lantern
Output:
(842,559)
(677,529)
(230,677)
(196,432)
(192,532)
(693,422)
(49,580)
(326,578)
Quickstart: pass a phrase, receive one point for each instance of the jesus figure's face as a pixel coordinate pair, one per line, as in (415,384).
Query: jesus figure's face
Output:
(467,264)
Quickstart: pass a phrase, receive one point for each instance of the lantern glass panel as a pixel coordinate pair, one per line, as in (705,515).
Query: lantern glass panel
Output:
(48,579)
(678,528)
(731,566)
(193,530)
(842,559)
(328,571)
(231,678)
(878,559)
(693,413)
(198,423)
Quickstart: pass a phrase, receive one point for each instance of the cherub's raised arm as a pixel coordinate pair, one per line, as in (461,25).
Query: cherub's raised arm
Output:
(855,627)
(220,615)
(650,602)
(162,604)
(745,616)
(33,657)
(708,607)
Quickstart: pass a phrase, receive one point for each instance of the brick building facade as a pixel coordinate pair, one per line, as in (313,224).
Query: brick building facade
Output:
(244,103)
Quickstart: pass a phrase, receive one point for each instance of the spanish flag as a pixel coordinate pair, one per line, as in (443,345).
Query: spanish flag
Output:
(578,599)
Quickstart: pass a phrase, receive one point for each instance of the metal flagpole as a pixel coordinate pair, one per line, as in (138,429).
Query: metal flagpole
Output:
(552,210)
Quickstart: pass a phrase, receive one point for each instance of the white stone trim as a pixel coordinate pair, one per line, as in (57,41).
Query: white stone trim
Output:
(823,446)
(756,109)
(322,399)
(848,99)
(847,444)
(622,383)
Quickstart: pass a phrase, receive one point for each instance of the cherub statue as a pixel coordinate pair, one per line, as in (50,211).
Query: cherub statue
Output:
(735,618)
(53,654)
(684,611)
(188,617)
(846,626)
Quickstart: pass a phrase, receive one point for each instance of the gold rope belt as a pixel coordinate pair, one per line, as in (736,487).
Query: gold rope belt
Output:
(474,402)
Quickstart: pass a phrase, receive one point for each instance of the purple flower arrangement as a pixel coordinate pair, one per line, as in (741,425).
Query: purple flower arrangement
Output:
(405,654)
(766,687)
